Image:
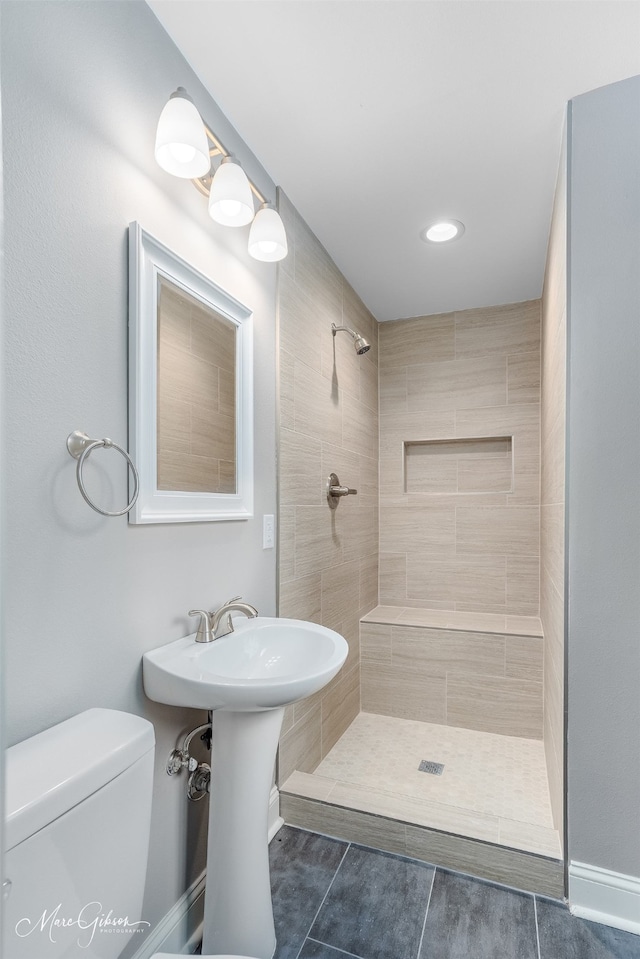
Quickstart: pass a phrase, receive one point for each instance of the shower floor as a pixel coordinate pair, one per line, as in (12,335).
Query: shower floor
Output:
(493,788)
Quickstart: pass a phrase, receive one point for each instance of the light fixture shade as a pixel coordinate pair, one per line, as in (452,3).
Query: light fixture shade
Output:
(182,148)
(230,199)
(267,237)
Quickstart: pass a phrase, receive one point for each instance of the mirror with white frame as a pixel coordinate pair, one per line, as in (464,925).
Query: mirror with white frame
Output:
(190,390)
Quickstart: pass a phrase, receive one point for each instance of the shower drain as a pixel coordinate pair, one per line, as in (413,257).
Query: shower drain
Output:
(426,766)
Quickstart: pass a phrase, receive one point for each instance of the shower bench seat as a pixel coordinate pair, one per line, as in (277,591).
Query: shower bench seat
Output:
(475,670)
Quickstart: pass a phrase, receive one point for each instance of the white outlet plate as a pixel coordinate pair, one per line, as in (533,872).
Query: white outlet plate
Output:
(268,531)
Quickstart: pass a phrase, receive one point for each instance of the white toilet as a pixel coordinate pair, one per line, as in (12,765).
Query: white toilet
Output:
(78,813)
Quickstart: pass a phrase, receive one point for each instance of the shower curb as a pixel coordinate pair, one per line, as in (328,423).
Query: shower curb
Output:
(516,868)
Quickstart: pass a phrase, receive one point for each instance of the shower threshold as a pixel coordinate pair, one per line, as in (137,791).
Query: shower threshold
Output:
(487,814)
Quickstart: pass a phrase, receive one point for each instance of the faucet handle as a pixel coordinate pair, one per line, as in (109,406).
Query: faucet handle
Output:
(204,634)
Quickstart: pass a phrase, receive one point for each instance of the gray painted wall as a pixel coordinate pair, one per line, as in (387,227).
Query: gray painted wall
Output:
(603,476)
(82,87)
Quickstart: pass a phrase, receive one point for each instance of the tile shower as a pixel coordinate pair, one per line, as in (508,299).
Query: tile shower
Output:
(448,662)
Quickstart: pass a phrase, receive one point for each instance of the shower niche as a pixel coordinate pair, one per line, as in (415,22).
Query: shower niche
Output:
(482,464)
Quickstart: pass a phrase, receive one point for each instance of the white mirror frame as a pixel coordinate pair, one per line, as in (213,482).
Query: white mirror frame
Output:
(149,259)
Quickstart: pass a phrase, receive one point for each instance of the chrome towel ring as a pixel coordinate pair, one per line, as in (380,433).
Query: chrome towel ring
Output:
(80,446)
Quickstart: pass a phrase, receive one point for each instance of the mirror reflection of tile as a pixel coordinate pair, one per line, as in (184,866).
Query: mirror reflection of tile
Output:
(196,395)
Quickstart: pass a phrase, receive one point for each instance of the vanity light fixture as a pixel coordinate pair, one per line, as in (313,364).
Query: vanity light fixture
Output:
(186,146)
(442,231)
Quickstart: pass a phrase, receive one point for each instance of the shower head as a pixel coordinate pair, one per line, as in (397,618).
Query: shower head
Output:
(360,344)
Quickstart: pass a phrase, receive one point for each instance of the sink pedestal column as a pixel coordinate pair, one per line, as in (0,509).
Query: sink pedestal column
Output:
(238,915)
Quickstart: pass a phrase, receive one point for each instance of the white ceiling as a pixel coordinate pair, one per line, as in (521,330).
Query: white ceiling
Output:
(377,116)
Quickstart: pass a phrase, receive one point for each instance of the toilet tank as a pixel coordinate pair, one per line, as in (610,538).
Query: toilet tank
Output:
(78,813)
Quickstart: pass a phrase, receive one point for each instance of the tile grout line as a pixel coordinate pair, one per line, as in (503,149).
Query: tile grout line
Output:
(323,901)
(424,924)
(535,914)
(352,955)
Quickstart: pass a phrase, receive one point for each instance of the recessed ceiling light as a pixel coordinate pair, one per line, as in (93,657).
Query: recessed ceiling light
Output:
(442,230)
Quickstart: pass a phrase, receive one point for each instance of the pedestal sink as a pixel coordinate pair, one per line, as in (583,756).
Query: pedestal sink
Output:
(247,678)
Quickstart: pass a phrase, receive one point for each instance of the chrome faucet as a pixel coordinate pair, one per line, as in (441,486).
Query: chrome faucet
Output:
(221,626)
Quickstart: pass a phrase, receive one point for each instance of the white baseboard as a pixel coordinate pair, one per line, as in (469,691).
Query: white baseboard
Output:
(275,819)
(180,931)
(601,895)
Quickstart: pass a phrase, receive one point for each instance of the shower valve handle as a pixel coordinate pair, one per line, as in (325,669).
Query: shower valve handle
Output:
(335,490)
(342,491)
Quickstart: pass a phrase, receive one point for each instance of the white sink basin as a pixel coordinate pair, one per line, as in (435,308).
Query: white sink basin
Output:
(264,664)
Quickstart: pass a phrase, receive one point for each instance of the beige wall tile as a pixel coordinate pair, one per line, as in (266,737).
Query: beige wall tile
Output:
(400,341)
(404,692)
(524,657)
(300,746)
(393,578)
(456,581)
(552,543)
(316,544)
(317,412)
(359,427)
(300,598)
(523,377)
(316,275)
(448,652)
(514,328)
(457,384)
(340,586)
(375,643)
(286,378)
(369,571)
(487,475)
(350,629)
(429,470)
(340,707)
(421,425)
(523,579)
(507,531)
(356,529)
(286,545)
(393,390)
(498,420)
(405,530)
(300,470)
(368,372)
(299,338)
(368,482)
(510,707)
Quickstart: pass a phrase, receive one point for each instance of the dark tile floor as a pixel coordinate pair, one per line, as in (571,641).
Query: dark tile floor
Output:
(336,900)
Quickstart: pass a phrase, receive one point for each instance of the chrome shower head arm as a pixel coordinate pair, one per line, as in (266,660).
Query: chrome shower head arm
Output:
(361,345)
